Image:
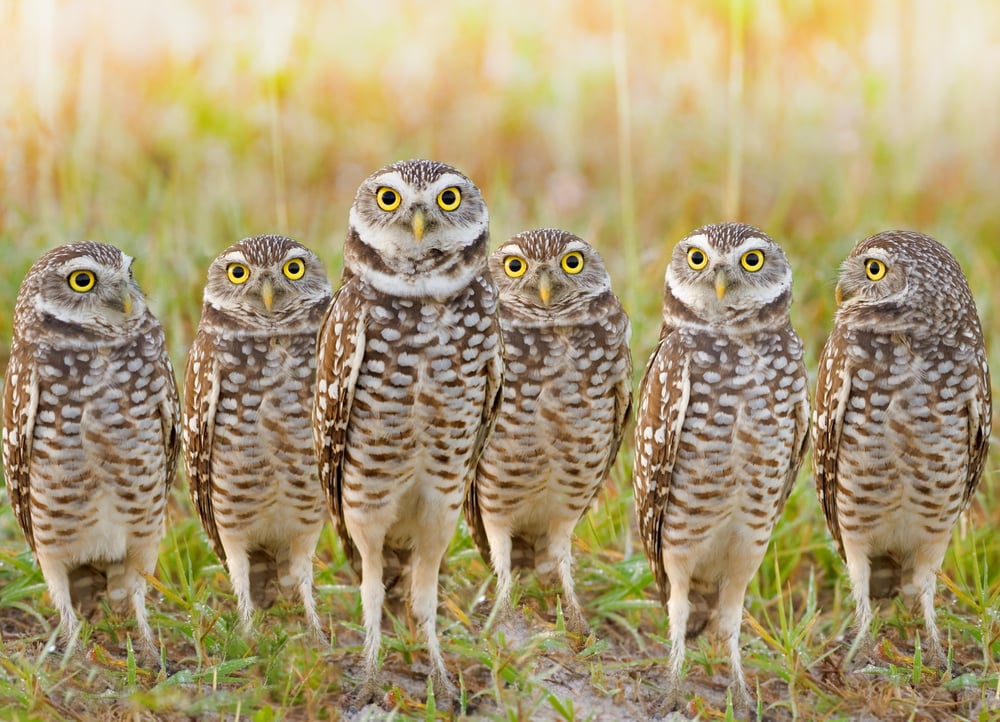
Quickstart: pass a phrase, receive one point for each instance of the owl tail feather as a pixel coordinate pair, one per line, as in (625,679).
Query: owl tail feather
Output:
(886,577)
(263,578)
(87,584)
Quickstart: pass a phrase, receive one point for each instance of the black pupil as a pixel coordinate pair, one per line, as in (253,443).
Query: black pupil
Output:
(572,261)
(388,197)
(448,197)
(514,265)
(697,258)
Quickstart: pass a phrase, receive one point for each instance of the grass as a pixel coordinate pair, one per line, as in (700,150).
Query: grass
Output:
(174,132)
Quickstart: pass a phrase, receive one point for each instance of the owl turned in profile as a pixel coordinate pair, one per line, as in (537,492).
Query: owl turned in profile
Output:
(248,392)
(90,430)
(902,420)
(408,386)
(566,400)
(721,431)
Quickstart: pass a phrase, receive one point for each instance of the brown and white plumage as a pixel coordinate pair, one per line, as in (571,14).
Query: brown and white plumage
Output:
(902,419)
(248,396)
(90,429)
(567,397)
(721,430)
(408,385)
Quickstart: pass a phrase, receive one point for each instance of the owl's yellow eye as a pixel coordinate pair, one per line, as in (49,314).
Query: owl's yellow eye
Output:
(294,269)
(697,259)
(752,261)
(450,198)
(572,262)
(238,273)
(875,269)
(387,199)
(514,266)
(81,281)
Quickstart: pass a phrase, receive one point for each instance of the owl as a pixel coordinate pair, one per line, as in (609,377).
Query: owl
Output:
(902,420)
(721,431)
(90,430)
(566,399)
(408,383)
(248,394)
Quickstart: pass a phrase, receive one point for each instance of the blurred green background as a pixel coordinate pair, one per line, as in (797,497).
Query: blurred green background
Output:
(174,129)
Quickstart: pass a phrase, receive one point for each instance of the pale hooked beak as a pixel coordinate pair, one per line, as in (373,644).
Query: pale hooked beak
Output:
(544,288)
(267,293)
(721,283)
(418,224)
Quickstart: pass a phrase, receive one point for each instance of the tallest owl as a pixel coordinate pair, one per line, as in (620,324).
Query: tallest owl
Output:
(408,384)
(902,419)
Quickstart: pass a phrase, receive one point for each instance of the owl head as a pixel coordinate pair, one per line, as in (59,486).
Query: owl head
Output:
(265,282)
(415,225)
(546,272)
(893,278)
(726,273)
(81,290)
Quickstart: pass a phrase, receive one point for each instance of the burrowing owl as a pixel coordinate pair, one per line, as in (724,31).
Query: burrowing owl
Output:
(721,431)
(248,395)
(408,384)
(567,396)
(902,419)
(90,429)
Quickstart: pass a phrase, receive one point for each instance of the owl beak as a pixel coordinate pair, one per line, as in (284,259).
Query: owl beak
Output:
(545,288)
(267,293)
(721,283)
(418,224)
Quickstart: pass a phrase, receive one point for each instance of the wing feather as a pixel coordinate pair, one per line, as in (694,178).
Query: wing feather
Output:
(201,399)
(833,390)
(664,393)
(340,354)
(20,402)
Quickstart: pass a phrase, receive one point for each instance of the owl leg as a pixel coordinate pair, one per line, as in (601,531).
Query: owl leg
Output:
(300,573)
(500,550)
(561,536)
(426,562)
(369,541)
(134,584)
(859,572)
(925,566)
(238,564)
(732,592)
(57,581)
(678,610)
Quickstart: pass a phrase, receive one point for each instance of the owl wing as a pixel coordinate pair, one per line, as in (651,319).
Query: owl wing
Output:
(340,353)
(201,399)
(980,420)
(800,442)
(664,393)
(170,419)
(833,391)
(20,403)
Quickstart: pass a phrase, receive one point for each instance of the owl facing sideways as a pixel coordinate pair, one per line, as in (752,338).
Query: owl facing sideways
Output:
(902,420)
(90,430)
(721,431)
(566,399)
(248,393)
(408,386)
